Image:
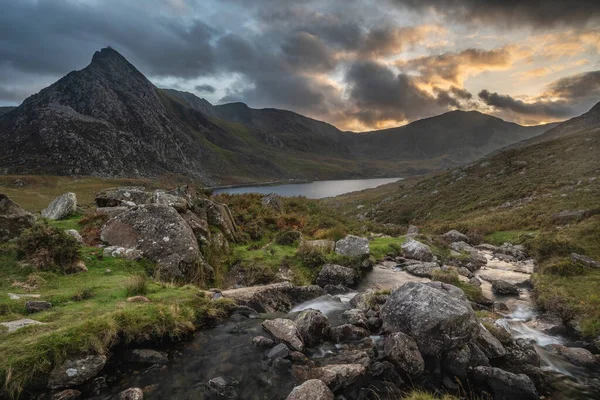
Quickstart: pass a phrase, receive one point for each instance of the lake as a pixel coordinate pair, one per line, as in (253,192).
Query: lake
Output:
(312,190)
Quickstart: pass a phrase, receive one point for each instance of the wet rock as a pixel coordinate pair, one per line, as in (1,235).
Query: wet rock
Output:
(352,246)
(425,269)
(34,306)
(506,385)
(332,274)
(455,236)
(457,362)
(585,260)
(274,297)
(163,237)
(437,316)
(74,372)
(403,352)
(326,246)
(284,330)
(279,351)
(273,201)
(61,207)
(491,347)
(312,389)
(68,394)
(13,219)
(313,327)
(356,317)
(336,289)
(348,333)
(504,288)
(261,341)
(575,355)
(417,250)
(146,356)
(131,394)
(281,366)
(221,388)
(75,235)
(116,197)
(339,376)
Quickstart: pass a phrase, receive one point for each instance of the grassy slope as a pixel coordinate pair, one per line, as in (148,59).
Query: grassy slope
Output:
(562,174)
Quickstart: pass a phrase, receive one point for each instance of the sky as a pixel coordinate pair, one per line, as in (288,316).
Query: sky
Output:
(360,65)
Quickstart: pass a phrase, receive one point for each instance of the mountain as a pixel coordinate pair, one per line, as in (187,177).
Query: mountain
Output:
(590,121)
(4,110)
(109,120)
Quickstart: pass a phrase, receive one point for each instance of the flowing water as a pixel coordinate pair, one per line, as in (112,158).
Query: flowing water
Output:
(312,190)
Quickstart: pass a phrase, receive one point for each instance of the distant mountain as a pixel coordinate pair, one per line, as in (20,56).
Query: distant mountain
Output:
(4,110)
(109,120)
(590,121)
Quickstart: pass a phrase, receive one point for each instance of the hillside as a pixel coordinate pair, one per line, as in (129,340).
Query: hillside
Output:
(109,120)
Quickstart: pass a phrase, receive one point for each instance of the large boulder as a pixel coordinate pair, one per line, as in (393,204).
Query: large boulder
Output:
(179,203)
(163,237)
(517,252)
(352,246)
(348,333)
(74,372)
(506,385)
(424,269)
(504,288)
(457,362)
(13,219)
(123,196)
(61,207)
(438,316)
(312,389)
(403,352)
(491,347)
(339,376)
(276,297)
(417,250)
(332,274)
(285,331)
(313,326)
(217,215)
(575,355)
(455,236)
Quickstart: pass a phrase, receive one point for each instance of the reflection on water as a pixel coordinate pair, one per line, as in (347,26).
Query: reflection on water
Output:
(312,190)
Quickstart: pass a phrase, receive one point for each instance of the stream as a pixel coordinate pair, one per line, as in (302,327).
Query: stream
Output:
(226,350)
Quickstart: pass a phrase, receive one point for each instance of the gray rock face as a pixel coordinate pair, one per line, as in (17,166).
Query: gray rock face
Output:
(179,203)
(356,317)
(13,219)
(402,351)
(436,316)
(146,356)
(417,250)
(61,207)
(217,215)
(34,306)
(123,196)
(352,246)
(162,235)
(455,236)
(312,389)
(74,372)
(274,297)
(339,376)
(332,274)
(504,288)
(505,385)
(131,394)
(284,330)
(457,362)
(313,327)
(273,200)
(425,269)
(490,346)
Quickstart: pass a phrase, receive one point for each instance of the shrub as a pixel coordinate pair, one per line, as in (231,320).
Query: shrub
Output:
(137,285)
(83,294)
(288,238)
(446,276)
(564,267)
(91,227)
(546,246)
(258,274)
(48,248)
(311,257)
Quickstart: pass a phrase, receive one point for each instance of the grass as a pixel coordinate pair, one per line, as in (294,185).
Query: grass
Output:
(71,222)
(514,237)
(382,246)
(89,314)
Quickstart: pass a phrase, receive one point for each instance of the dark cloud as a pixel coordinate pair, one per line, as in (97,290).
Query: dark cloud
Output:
(512,12)
(206,88)
(555,109)
(383,41)
(307,52)
(580,86)
(454,97)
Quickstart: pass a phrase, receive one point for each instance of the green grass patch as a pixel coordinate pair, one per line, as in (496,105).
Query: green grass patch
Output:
(71,222)
(514,237)
(381,246)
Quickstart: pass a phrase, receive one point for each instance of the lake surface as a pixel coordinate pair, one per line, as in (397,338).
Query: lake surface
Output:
(312,190)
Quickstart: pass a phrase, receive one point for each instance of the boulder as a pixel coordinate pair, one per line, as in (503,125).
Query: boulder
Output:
(402,351)
(276,297)
(19,323)
(146,356)
(425,269)
(111,212)
(356,317)
(279,351)
(417,250)
(261,341)
(491,347)
(179,203)
(123,196)
(412,230)
(122,252)
(13,219)
(312,389)
(506,385)
(455,236)
(273,201)
(517,252)
(131,394)
(336,289)
(332,274)
(504,288)
(74,372)
(473,261)
(585,260)
(457,362)
(73,233)
(475,281)
(67,394)
(438,316)
(199,226)
(34,306)
(61,207)
(361,357)
(348,333)
(339,376)
(221,387)
(575,355)
(352,246)
(217,215)
(326,246)
(286,331)
(162,235)
(313,327)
